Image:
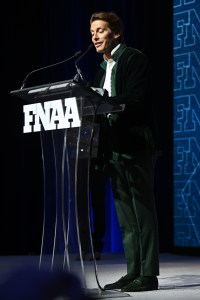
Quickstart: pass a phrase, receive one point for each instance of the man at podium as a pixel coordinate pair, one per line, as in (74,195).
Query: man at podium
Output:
(128,145)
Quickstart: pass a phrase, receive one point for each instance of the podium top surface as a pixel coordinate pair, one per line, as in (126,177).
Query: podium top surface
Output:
(31,94)
(67,89)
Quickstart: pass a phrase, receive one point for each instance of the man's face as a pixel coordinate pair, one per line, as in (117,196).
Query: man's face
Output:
(103,38)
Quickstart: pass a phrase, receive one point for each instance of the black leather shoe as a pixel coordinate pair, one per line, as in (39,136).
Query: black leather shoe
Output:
(122,282)
(141,284)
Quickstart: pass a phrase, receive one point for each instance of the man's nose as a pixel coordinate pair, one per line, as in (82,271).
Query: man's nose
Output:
(95,36)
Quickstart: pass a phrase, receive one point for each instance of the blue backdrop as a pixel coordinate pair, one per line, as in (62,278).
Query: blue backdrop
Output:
(186,54)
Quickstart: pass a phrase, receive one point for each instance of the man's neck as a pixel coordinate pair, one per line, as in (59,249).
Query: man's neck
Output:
(108,56)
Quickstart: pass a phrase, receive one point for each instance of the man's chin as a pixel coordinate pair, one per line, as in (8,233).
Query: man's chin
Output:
(99,50)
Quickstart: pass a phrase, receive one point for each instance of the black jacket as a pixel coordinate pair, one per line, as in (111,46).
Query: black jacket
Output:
(133,129)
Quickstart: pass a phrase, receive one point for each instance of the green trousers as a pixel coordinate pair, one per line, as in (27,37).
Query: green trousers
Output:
(132,181)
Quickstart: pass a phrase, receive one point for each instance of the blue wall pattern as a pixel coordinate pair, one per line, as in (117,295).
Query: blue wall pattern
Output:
(186,52)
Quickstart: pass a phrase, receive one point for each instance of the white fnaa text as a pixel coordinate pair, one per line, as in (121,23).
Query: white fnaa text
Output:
(51,115)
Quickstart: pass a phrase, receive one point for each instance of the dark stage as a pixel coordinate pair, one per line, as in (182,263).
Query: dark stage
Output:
(179,275)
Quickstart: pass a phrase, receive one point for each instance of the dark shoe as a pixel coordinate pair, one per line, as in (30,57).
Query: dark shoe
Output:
(97,256)
(122,282)
(141,284)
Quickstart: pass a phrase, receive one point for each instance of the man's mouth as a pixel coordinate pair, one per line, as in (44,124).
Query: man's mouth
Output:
(97,45)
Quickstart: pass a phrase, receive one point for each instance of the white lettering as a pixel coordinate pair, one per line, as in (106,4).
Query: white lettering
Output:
(51,115)
(28,117)
(71,112)
(42,116)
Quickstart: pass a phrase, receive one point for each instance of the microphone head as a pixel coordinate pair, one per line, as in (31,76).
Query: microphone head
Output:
(83,54)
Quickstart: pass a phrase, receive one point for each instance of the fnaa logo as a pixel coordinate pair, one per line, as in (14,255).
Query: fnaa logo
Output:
(51,115)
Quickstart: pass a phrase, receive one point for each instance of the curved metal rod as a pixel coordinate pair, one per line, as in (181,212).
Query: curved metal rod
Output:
(44,193)
(66,229)
(89,206)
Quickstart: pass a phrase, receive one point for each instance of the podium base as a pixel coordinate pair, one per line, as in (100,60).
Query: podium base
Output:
(99,294)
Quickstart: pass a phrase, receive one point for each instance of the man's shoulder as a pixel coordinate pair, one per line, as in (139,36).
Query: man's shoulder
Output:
(133,54)
(133,51)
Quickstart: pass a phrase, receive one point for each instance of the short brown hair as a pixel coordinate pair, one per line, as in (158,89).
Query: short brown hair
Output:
(112,19)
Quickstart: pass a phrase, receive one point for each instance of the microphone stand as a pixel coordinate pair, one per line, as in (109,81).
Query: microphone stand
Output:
(79,77)
(46,67)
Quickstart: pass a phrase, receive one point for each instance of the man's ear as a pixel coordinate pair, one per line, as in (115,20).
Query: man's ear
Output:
(116,35)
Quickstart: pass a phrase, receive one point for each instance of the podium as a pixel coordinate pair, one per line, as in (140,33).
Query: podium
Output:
(64,114)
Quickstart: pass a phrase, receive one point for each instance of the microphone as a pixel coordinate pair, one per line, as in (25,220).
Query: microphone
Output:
(52,65)
(79,74)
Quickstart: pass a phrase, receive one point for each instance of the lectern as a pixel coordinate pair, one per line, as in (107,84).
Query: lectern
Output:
(63,113)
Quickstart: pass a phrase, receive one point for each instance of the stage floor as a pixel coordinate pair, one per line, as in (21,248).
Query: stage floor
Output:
(179,275)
